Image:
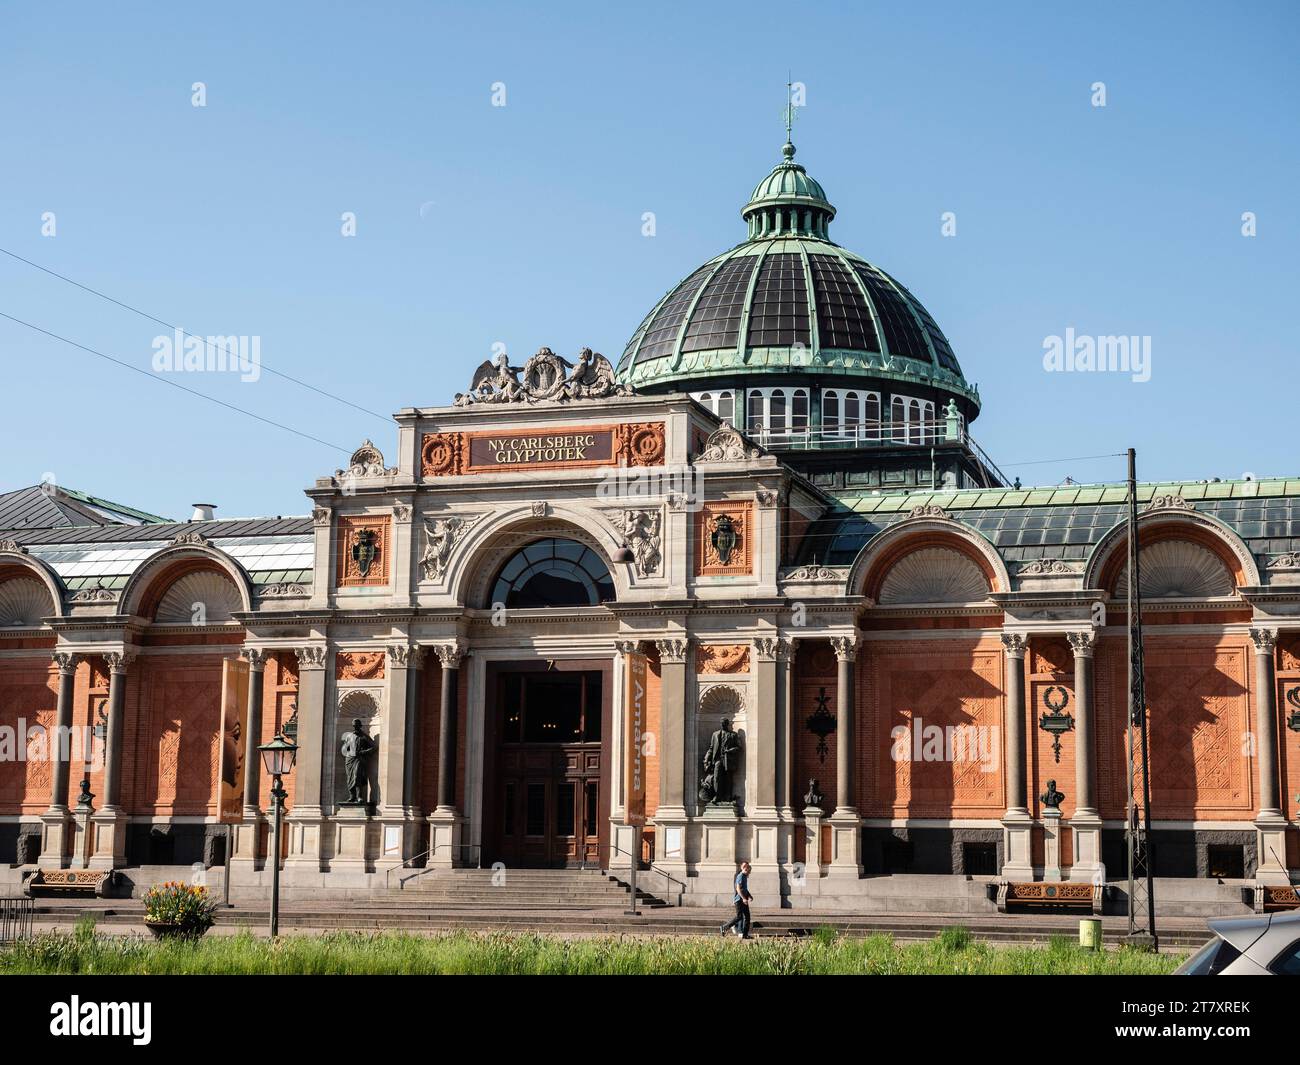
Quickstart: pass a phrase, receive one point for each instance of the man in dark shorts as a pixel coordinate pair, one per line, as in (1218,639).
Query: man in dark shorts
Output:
(741,898)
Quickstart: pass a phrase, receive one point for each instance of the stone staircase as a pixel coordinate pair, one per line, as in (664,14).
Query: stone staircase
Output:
(506,890)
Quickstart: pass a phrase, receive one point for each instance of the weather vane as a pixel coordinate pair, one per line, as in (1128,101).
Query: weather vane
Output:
(787,112)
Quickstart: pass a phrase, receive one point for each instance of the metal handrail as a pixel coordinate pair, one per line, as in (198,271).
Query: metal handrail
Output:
(16,918)
(651,865)
(428,853)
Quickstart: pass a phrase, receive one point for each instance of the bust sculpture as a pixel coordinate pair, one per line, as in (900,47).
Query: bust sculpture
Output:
(355,748)
(720,762)
(1051,798)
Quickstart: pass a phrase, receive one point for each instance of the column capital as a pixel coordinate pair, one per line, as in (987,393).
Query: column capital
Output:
(673,649)
(120,661)
(404,656)
(785,648)
(1265,640)
(450,654)
(628,647)
(1083,643)
(1015,644)
(256,658)
(66,661)
(311,657)
(845,647)
(767,648)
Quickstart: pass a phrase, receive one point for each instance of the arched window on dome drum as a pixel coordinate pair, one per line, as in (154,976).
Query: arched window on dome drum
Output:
(799,411)
(831,412)
(553,572)
(914,426)
(898,419)
(723,403)
(871,417)
(755,415)
(778,417)
(852,413)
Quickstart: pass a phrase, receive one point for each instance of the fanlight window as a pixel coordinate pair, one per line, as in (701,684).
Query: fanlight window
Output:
(553,572)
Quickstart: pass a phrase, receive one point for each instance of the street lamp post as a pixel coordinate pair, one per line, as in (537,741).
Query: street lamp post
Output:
(278,757)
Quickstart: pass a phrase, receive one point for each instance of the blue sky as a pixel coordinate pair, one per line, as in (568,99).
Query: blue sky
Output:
(225,219)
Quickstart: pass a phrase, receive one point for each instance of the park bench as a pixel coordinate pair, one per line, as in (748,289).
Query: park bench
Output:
(58,881)
(1047,895)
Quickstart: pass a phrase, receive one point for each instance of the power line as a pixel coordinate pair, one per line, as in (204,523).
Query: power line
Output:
(175,384)
(1076,458)
(178,329)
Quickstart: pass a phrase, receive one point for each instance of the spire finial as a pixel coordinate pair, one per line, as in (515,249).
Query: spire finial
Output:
(788,149)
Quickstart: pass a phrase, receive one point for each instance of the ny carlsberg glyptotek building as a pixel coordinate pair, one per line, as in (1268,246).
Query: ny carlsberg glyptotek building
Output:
(772,510)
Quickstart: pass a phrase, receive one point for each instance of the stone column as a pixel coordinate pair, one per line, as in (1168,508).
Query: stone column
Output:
(622,837)
(110,822)
(446,823)
(762,755)
(785,720)
(306,819)
(411,778)
(1270,824)
(1016,822)
(1085,822)
(399,831)
(248,835)
(56,832)
(671,822)
(846,826)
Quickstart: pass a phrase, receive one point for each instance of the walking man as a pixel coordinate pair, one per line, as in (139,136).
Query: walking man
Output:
(742,898)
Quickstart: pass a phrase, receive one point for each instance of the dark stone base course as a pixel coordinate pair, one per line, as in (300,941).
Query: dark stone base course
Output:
(176,845)
(1180,852)
(925,850)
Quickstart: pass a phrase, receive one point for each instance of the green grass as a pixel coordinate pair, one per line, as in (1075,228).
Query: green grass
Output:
(954,951)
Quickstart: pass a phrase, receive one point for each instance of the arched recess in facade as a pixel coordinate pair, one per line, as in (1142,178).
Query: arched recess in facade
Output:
(474,563)
(30,593)
(187,596)
(1178,540)
(933,553)
(19,566)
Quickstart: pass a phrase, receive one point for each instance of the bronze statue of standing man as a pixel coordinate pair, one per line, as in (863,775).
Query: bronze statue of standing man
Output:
(720,762)
(356,746)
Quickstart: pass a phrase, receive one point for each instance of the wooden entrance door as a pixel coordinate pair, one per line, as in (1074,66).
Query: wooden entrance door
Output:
(548,768)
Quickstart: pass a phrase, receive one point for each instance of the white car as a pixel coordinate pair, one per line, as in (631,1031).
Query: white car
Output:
(1249,946)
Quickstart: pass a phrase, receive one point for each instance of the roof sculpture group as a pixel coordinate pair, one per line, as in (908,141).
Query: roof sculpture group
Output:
(545,377)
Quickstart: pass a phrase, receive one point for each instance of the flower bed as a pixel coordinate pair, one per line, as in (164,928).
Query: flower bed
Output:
(177,909)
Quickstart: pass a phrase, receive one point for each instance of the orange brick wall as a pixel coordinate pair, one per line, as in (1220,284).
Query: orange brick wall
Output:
(172,727)
(944,683)
(1049,663)
(1288,673)
(814,669)
(29,691)
(1200,694)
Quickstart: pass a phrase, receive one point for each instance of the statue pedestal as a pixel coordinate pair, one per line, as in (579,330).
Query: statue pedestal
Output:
(57,836)
(356,838)
(813,817)
(717,864)
(1052,844)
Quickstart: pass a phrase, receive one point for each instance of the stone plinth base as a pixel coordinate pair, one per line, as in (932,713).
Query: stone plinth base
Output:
(1017,833)
(846,845)
(108,849)
(58,833)
(1271,843)
(356,839)
(446,838)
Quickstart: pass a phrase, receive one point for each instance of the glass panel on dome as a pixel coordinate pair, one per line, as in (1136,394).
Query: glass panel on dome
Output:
(941,346)
(662,333)
(902,334)
(778,316)
(843,318)
(716,321)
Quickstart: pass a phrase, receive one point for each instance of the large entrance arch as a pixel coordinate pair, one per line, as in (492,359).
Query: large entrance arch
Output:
(547,723)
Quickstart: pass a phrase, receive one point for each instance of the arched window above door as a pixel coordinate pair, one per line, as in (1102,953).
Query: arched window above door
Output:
(553,572)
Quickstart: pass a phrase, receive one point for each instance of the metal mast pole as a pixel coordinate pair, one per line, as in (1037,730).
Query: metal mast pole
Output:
(1141,896)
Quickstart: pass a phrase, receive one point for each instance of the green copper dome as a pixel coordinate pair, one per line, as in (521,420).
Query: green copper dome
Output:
(789,301)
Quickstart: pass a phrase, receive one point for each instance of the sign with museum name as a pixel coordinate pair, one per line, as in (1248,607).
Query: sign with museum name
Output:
(449,454)
(545,449)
